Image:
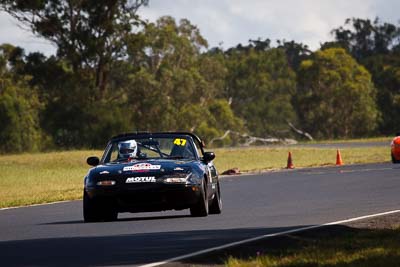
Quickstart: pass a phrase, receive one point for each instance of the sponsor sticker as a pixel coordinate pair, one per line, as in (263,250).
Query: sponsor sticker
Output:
(178,169)
(141,167)
(146,179)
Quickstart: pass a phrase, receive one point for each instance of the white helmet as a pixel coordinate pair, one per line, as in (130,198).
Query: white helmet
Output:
(128,149)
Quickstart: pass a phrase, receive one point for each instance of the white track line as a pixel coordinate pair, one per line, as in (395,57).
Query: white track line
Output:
(36,205)
(265,237)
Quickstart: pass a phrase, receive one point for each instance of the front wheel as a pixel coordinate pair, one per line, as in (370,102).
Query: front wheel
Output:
(96,210)
(201,208)
(394,160)
(90,209)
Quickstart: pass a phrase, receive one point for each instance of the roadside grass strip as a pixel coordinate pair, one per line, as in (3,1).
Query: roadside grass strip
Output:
(330,244)
(255,159)
(339,246)
(37,178)
(29,179)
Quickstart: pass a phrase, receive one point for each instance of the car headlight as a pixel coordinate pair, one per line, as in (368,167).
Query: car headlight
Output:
(178,178)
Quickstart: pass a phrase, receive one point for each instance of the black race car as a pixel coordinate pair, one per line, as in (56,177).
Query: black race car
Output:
(142,172)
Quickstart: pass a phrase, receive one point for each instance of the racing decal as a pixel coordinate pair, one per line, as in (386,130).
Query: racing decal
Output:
(104,172)
(180,142)
(147,179)
(142,167)
(178,169)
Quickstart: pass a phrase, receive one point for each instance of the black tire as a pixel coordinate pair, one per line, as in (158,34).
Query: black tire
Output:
(96,211)
(394,160)
(109,213)
(90,209)
(201,208)
(216,204)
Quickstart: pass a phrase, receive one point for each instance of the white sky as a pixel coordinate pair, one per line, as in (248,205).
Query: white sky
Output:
(230,22)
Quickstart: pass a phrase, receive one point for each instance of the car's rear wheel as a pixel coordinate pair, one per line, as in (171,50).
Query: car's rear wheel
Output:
(201,208)
(216,204)
(394,160)
(95,210)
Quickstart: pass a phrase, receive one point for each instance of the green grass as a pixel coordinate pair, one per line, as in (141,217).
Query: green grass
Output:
(46,177)
(256,159)
(344,247)
(43,177)
(359,140)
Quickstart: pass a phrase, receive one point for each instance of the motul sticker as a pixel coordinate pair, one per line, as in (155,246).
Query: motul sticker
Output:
(142,167)
(148,179)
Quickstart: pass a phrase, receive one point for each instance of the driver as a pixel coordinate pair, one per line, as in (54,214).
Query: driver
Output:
(128,149)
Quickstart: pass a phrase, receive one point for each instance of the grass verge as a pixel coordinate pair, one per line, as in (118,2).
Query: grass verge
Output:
(338,246)
(258,159)
(46,177)
(41,178)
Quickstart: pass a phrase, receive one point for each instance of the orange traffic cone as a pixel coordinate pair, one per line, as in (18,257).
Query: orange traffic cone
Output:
(290,162)
(339,160)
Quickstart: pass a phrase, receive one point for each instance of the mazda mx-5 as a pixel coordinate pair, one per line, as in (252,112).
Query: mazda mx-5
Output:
(143,172)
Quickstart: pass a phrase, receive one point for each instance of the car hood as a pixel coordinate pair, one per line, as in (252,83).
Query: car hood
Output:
(145,166)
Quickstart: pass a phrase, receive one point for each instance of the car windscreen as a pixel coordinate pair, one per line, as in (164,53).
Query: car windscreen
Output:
(171,147)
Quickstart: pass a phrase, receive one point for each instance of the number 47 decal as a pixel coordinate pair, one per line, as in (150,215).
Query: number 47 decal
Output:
(180,142)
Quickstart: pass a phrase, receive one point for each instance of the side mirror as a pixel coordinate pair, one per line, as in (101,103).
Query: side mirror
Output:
(208,156)
(93,161)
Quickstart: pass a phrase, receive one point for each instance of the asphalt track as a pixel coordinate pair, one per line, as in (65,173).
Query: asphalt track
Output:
(254,205)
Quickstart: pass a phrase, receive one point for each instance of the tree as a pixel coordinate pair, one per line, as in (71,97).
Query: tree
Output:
(295,53)
(261,85)
(210,121)
(335,96)
(171,84)
(363,38)
(89,34)
(376,45)
(386,76)
(19,107)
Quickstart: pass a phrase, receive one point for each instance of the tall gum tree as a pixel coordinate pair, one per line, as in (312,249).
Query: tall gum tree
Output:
(335,96)
(261,84)
(89,34)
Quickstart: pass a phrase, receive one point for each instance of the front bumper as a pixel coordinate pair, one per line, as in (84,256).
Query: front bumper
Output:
(396,152)
(147,197)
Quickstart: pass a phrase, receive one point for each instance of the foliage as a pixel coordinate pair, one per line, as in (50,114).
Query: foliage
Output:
(386,73)
(295,53)
(177,81)
(19,107)
(336,97)
(363,38)
(115,73)
(88,34)
(261,85)
(376,45)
